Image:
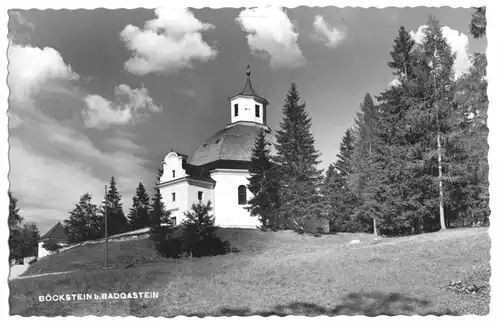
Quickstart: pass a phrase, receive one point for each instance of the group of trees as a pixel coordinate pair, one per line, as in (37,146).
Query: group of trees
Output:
(419,161)
(87,220)
(23,238)
(415,160)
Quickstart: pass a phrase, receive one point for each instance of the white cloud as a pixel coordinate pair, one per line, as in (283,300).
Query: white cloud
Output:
(395,82)
(458,42)
(168,43)
(331,36)
(271,32)
(30,67)
(131,104)
(44,184)
(51,167)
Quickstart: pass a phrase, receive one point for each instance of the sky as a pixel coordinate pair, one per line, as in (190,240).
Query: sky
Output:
(101,93)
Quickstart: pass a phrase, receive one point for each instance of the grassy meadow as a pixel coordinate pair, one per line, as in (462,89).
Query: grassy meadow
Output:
(279,273)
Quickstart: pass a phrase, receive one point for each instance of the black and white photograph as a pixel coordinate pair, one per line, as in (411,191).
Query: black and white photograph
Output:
(248,161)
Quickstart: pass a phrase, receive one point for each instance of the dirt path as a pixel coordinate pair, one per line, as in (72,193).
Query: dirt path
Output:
(16,272)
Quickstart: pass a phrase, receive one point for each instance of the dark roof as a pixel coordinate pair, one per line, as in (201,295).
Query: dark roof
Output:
(57,232)
(179,154)
(233,143)
(15,228)
(197,172)
(248,89)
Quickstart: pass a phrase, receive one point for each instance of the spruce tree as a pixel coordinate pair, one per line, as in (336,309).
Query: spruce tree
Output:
(344,157)
(117,221)
(263,184)
(341,200)
(81,224)
(364,181)
(139,212)
(477,26)
(31,237)
(158,214)
(199,237)
(403,202)
(472,197)
(298,161)
(15,236)
(14,218)
(432,114)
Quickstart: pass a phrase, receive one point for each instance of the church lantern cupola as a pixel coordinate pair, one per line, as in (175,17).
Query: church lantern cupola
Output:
(247,105)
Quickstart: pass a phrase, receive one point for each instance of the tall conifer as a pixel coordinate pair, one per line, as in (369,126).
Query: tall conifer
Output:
(263,184)
(139,212)
(298,162)
(117,221)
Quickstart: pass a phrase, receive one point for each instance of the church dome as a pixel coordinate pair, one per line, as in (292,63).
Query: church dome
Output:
(233,143)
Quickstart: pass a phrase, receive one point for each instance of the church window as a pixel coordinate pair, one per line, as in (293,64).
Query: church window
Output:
(173,197)
(174,221)
(235,109)
(242,195)
(257,111)
(200,195)
(173,173)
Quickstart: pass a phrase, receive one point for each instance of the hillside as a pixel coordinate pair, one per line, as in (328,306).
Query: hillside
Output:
(275,273)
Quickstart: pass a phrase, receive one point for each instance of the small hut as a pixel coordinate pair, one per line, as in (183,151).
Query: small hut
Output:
(56,235)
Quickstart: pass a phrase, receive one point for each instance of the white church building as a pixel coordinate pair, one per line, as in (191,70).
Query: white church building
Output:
(218,170)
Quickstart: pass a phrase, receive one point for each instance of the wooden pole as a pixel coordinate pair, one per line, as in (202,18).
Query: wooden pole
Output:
(106,223)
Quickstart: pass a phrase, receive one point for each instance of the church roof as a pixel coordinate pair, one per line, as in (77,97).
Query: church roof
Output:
(248,89)
(233,143)
(57,232)
(197,173)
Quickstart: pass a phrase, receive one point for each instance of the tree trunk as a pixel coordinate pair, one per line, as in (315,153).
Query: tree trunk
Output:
(441,195)
(375,227)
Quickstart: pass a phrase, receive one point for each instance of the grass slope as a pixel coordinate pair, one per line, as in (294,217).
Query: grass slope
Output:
(274,274)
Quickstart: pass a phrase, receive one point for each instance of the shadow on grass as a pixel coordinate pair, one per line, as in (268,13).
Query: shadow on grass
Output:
(368,304)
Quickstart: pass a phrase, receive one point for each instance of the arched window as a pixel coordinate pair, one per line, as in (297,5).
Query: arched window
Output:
(242,195)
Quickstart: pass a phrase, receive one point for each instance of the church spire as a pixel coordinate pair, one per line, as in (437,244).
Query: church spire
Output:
(247,106)
(248,89)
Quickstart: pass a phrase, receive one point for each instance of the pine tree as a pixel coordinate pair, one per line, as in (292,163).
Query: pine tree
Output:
(263,184)
(298,162)
(82,222)
(139,213)
(117,221)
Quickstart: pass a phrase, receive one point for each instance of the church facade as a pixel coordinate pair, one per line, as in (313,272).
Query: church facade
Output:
(219,169)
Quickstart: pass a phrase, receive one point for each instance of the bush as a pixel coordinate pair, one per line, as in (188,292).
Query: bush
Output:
(195,237)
